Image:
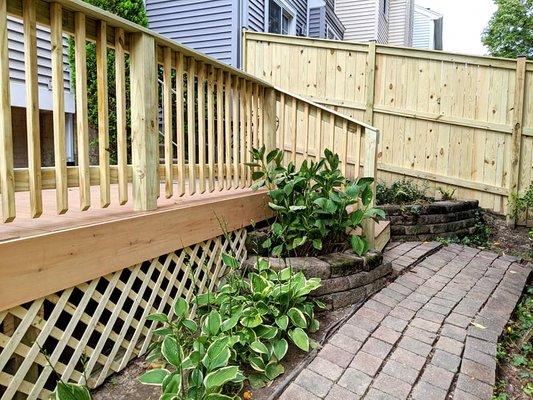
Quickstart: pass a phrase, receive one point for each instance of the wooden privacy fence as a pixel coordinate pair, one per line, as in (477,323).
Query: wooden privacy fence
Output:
(454,120)
(212,115)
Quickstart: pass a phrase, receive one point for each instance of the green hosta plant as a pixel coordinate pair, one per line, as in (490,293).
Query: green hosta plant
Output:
(312,205)
(248,323)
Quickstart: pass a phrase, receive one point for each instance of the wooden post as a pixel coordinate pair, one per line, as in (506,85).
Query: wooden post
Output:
(516,141)
(370,170)
(7,178)
(370,74)
(144,122)
(269,119)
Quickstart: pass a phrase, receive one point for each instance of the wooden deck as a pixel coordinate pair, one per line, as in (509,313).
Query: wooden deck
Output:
(24,226)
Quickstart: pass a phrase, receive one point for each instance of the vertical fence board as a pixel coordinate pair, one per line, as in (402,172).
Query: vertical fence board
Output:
(103,113)
(122,142)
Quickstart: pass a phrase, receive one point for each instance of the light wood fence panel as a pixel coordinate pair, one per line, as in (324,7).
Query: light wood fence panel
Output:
(447,119)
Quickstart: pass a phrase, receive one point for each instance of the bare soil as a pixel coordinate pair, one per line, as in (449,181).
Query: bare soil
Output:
(504,240)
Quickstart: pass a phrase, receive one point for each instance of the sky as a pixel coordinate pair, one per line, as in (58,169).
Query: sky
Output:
(464,21)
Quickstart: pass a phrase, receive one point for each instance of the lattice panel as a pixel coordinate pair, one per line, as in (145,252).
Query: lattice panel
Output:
(102,321)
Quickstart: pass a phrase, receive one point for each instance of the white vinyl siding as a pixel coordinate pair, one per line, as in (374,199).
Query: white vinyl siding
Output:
(359,19)
(423,29)
(208,26)
(400,22)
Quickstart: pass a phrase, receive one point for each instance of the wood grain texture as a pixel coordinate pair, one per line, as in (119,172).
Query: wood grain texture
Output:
(122,138)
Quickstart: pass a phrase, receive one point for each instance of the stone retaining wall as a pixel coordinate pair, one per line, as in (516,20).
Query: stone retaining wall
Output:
(428,221)
(346,277)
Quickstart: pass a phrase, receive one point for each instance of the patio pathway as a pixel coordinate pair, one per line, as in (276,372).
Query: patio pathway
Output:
(431,334)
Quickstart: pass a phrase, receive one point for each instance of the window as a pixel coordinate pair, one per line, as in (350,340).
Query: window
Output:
(280,18)
(332,35)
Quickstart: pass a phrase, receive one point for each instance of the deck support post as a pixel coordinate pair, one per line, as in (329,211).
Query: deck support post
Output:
(144,122)
(370,170)
(269,119)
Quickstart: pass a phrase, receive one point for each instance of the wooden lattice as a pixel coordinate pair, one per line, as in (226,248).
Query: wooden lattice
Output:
(102,321)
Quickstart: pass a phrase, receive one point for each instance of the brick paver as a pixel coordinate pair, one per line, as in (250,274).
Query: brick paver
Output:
(430,334)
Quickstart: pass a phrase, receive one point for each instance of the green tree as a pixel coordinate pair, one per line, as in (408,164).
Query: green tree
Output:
(132,10)
(509,32)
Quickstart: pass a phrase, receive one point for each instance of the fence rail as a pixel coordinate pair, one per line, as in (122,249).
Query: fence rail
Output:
(458,121)
(212,112)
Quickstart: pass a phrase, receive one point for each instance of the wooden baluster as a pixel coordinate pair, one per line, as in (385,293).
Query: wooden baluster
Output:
(242,130)
(180,126)
(191,129)
(32,108)
(260,104)
(332,131)
(227,121)
(167,115)
(82,122)
(318,133)
(211,128)
(58,95)
(7,179)
(282,124)
(294,128)
(306,130)
(144,131)
(269,119)
(249,139)
(236,132)
(201,125)
(255,113)
(103,113)
(220,129)
(122,145)
(345,148)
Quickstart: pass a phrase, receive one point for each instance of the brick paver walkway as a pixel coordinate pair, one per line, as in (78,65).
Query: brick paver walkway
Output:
(431,334)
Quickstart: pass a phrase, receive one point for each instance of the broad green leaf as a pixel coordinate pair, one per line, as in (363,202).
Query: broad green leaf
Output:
(299,338)
(258,283)
(219,377)
(277,228)
(274,370)
(317,244)
(297,208)
(157,317)
(171,350)
(356,217)
(267,243)
(267,332)
(259,347)
(257,175)
(251,321)
(276,207)
(192,360)
(229,261)
(297,317)
(229,323)
(218,354)
(172,384)
(258,380)
(285,274)
(314,325)
(359,245)
(280,348)
(205,298)
(276,251)
(298,241)
(181,307)
(257,363)
(191,325)
(196,377)
(213,322)
(71,391)
(152,377)
(366,196)
(282,322)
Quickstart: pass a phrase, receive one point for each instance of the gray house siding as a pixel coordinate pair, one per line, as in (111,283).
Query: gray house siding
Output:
(208,26)
(323,18)
(256,15)
(317,28)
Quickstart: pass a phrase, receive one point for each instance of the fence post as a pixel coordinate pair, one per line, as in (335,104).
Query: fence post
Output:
(370,170)
(144,122)
(269,118)
(370,73)
(516,141)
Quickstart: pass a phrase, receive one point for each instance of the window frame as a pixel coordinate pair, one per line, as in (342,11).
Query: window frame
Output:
(287,10)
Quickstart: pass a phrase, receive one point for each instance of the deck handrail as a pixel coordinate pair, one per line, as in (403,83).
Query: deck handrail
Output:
(213,113)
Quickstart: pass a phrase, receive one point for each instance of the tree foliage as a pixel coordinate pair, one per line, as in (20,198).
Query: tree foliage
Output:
(509,32)
(134,11)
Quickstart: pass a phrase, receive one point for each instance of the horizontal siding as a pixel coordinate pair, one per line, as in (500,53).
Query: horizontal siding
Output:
(15,36)
(358,17)
(400,16)
(421,31)
(315,18)
(301,18)
(256,15)
(203,25)
(332,20)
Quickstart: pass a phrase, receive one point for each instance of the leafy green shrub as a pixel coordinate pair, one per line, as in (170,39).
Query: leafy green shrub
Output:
(400,192)
(311,205)
(248,323)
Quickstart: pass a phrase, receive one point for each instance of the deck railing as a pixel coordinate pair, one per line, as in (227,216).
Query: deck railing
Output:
(213,115)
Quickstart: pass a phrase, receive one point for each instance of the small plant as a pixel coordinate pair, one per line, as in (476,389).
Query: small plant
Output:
(245,327)
(446,194)
(311,205)
(520,204)
(478,238)
(400,192)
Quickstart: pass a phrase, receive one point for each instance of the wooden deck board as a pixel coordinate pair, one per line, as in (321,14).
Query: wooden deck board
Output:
(25,226)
